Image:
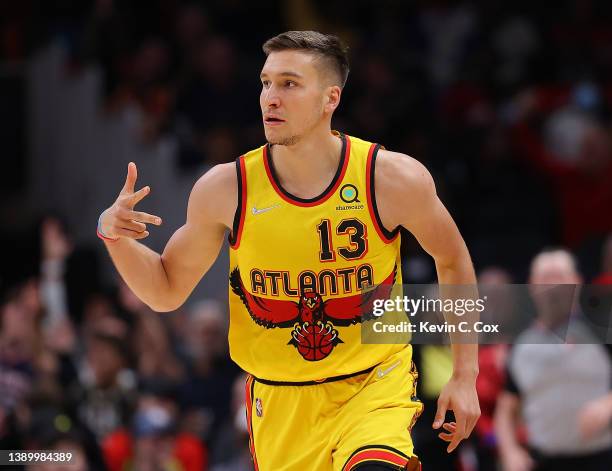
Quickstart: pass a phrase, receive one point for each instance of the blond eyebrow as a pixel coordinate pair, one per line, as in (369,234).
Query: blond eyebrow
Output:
(284,74)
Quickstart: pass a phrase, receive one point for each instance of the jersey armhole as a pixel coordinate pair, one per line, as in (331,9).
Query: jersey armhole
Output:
(385,234)
(236,232)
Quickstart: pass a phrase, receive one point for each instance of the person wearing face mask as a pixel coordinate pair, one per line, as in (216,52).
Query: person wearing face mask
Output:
(155,441)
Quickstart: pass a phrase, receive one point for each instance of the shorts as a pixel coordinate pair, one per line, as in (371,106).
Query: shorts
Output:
(337,424)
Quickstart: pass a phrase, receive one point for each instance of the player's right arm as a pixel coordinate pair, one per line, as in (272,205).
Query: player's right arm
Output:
(165,281)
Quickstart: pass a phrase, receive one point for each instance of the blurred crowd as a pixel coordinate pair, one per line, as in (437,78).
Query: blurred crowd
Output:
(127,388)
(124,388)
(507,103)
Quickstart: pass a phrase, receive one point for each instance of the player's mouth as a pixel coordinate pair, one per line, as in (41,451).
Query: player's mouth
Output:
(270,120)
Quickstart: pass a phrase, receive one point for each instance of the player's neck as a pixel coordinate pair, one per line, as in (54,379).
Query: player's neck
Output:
(306,168)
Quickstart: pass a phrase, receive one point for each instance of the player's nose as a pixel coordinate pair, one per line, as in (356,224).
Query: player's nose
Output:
(271,98)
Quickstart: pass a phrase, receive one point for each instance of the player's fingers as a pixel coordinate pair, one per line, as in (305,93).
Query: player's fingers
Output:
(454,443)
(144,217)
(131,225)
(450,427)
(441,412)
(139,195)
(459,432)
(473,417)
(130,234)
(130,179)
(447,437)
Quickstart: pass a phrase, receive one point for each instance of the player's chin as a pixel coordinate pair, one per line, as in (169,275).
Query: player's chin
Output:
(272,135)
(280,139)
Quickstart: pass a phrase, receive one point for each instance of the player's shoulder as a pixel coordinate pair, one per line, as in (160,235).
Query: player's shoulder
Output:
(221,177)
(215,193)
(400,173)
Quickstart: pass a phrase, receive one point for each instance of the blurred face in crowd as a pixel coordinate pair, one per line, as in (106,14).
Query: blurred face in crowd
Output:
(298,96)
(129,300)
(100,316)
(159,410)
(214,60)
(78,461)
(495,284)
(29,298)
(154,453)
(595,150)
(494,276)
(18,335)
(207,335)
(556,267)
(557,276)
(105,361)
(150,62)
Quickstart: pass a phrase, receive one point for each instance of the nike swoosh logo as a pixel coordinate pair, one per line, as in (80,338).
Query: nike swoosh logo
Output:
(256,211)
(382,373)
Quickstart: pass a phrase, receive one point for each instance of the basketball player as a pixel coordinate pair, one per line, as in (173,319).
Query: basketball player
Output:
(314,219)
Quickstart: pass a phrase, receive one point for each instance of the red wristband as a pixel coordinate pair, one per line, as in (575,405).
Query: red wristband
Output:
(104,238)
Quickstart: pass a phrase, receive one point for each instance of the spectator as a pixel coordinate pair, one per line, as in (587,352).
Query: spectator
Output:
(154,443)
(64,443)
(104,396)
(217,85)
(211,373)
(491,359)
(561,390)
(232,451)
(56,247)
(51,429)
(151,341)
(582,186)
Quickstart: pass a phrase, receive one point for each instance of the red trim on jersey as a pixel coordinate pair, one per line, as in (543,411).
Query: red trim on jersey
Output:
(242,201)
(248,390)
(375,455)
(374,216)
(319,199)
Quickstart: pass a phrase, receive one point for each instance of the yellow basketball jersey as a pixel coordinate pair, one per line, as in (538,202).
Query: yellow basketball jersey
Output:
(304,272)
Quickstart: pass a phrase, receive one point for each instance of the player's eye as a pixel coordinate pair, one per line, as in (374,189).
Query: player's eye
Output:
(290,84)
(265,83)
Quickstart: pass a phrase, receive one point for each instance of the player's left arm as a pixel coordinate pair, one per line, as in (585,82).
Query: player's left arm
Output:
(406,196)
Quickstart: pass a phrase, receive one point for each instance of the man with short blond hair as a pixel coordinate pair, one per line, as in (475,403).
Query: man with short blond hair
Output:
(314,219)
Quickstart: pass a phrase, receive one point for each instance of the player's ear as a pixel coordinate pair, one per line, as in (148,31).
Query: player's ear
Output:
(332,98)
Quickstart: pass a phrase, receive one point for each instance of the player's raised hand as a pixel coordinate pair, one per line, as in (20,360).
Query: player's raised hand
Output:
(120,220)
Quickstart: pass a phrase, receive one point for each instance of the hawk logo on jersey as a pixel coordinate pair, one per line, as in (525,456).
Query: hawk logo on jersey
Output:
(313,320)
